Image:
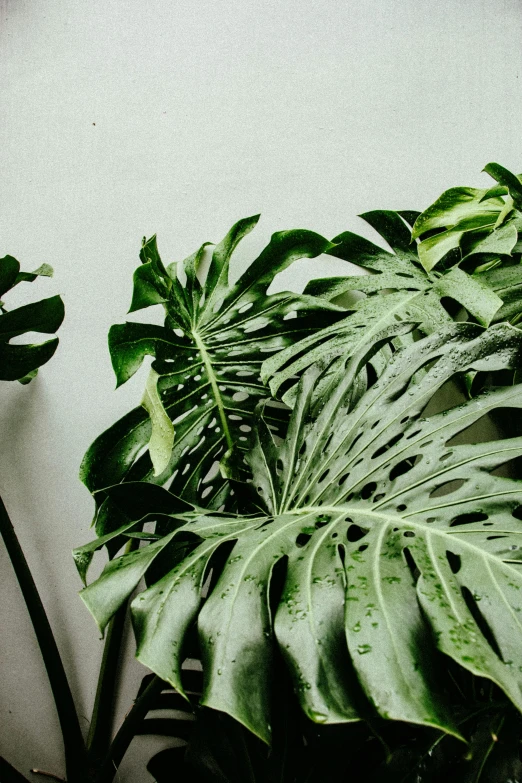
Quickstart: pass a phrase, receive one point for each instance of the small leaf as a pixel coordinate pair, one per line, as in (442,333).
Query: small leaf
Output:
(434,249)
(501,241)
(19,361)
(45,270)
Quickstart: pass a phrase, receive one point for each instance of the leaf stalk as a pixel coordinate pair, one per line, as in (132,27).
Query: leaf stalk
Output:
(74,746)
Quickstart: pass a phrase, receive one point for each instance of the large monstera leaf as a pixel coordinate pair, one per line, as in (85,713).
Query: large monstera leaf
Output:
(205,380)
(21,362)
(396,288)
(393,536)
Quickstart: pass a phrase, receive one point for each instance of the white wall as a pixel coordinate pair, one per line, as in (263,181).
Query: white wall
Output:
(121,118)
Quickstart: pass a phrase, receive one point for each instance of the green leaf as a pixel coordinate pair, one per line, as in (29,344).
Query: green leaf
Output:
(369,321)
(470,221)
(10,274)
(456,206)
(397,289)
(473,293)
(83,555)
(342,467)
(9,268)
(434,249)
(44,316)
(20,362)
(507,283)
(119,578)
(207,358)
(163,614)
(162,435)
(502,241)
(134,501)
(45,270)
(393,536)
(508,180)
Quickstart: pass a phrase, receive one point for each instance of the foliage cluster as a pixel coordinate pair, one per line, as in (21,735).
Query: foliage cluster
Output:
(319,499)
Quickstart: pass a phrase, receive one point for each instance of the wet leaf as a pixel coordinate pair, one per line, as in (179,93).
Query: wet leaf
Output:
(389,536)
(207,360)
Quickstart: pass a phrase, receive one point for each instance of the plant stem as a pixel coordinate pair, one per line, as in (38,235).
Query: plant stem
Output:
(100,730)
(99,738)
(9,774)
(491,745)
(74,746)
(127,731)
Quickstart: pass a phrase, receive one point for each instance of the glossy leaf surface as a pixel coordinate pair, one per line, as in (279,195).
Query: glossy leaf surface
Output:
(207,360)
(472,221)
(397,288)
(393,537)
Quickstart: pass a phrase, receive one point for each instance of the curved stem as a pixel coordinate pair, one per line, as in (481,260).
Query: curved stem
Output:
(127,730)
(74,746)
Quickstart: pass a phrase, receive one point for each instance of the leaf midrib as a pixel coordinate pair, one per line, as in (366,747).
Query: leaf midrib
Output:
(215,388)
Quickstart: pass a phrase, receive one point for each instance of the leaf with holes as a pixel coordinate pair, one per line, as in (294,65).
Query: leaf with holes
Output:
(389,537)
(396,289)
(506,282)
(21,362)
(207,359)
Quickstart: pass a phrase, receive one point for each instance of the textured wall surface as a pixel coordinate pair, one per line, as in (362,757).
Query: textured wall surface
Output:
(120,118)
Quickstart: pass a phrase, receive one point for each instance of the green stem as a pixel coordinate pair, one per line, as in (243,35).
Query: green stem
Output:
(127,731)
(74,746)
(100,730)
(9,774)
(99,738)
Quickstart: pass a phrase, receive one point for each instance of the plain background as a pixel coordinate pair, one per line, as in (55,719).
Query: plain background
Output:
(124,118)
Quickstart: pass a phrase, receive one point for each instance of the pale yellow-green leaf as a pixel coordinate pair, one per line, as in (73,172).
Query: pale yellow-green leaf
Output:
(162,436)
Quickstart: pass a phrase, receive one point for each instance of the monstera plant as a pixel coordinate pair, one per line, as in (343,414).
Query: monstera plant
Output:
(308,513)
(314,515)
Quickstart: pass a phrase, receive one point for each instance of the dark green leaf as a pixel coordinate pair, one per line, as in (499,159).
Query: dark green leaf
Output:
(44,316)
(207,360)
(397,289)
(20,362)
(9,268)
